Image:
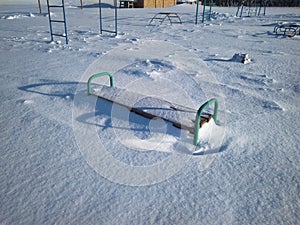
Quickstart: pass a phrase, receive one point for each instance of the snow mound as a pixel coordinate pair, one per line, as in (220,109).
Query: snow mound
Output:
(18,16)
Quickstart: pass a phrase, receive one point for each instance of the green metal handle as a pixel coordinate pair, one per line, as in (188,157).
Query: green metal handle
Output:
(198,116)
(111,80)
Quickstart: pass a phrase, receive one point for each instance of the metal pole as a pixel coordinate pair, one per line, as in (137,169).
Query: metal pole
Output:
(203,13)
(238,9)
(265,6)
(100,15)
(49,16)
(116,17)
(40,8)
(210,6)
(249,3)
(66,31)
(197,7)
(256,7)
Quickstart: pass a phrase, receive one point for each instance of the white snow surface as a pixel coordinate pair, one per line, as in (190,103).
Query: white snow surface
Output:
(70,158)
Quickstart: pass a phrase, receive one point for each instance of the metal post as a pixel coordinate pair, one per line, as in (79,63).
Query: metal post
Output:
(49,16)
(40,8)
(203,13)
(249,7)
(100,15)
(116,17)
(255,8)
(265,6)
(210,7)
(197,7)
(65,21)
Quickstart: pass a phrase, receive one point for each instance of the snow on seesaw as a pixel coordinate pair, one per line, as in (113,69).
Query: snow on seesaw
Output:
(68,157)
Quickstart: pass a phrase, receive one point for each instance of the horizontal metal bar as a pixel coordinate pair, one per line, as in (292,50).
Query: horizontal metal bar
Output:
(110,31)
(59,35)
(56,6)
(57,21)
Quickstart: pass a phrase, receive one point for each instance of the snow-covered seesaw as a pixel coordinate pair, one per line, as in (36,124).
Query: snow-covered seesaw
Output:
(288,29)
(151,107)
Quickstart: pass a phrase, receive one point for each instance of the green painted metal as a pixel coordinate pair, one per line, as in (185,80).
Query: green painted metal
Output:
(198,117)
(210,7)
(204,10)
(209,12)
(111,80)
(197,9)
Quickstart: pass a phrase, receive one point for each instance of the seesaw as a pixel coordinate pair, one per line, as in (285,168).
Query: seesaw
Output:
(288,29)
(179,116)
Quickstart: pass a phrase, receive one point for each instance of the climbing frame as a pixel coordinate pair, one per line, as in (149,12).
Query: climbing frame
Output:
(252,7)
(115,15)
(61,21)
(206,14)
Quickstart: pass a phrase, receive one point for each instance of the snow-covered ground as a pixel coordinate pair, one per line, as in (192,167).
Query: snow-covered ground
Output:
(69,158)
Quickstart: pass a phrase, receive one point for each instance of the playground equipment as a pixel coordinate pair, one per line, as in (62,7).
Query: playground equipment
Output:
(160,17)
(190,119)
(115,9)
(39,4)
(251,7)
(288,29)
(40,7)
(206,14)
(63,20)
